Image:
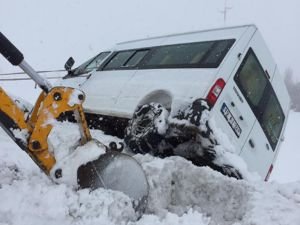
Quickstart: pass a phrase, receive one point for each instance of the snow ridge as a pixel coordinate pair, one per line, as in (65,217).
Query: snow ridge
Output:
(180,193)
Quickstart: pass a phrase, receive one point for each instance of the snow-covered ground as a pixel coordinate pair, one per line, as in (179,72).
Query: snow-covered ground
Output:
(287,164)
(180,193)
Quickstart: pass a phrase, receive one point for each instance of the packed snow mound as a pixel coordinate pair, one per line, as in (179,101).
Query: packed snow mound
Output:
(177,186)
(180,193)
(287,165)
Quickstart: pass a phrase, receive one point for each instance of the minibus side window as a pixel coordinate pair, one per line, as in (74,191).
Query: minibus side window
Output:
(208,54)
(119,60)
(93,63)
(181,54)
(96,62)
(136,58)
(126,59)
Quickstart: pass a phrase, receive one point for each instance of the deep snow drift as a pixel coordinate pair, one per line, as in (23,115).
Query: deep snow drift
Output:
(180,193)
(287,165)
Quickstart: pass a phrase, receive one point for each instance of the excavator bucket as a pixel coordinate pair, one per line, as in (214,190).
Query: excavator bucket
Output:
(116,171)
(110,170)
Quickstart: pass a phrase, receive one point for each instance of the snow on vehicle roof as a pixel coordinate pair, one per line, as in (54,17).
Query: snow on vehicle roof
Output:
(193,36)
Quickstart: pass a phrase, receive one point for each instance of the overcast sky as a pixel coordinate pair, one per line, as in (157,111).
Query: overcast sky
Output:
(48,32)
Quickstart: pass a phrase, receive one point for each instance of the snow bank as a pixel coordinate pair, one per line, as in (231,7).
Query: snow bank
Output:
(180,193)
(177,186)
(287,165)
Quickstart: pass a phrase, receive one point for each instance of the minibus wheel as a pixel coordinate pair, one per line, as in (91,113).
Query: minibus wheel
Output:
(147,128)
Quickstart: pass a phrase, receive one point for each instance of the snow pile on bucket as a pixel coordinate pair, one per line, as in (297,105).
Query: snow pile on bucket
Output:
(180,193)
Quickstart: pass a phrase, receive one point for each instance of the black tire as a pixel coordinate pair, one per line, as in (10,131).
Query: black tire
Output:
(146,129)
(197,129)
(194,112)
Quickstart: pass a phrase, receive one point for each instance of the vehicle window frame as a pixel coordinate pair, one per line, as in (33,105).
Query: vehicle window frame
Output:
(196,65)
(135,51)
(142,62)
(114,56)
(260,109)
(96,68)
(263,125)
(88,62)
(132,56)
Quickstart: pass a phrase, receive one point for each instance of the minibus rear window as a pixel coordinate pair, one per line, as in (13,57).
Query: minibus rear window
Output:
(272,119)
(257,89)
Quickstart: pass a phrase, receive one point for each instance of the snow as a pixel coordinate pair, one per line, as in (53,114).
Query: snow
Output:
(21,134)
(287,164)
(180,193)
(69,165)
(74,98)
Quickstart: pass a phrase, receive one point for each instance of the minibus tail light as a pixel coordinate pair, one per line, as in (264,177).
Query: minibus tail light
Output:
(215,92)
(269,173)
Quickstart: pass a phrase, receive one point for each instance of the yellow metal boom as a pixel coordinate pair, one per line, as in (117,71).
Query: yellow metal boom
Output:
(39,124)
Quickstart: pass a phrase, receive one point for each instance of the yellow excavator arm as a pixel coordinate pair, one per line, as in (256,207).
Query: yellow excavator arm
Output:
(31,134)
(39,124)
(51,103)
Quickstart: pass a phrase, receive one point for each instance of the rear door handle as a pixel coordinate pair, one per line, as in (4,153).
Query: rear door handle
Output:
(251,143)
(89,76)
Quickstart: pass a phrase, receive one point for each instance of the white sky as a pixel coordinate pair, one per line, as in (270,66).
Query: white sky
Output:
(48,32)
